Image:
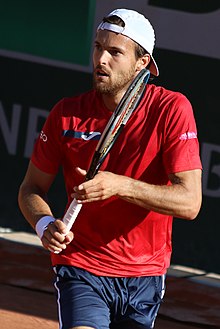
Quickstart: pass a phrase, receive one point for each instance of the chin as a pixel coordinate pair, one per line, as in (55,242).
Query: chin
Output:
(101,88)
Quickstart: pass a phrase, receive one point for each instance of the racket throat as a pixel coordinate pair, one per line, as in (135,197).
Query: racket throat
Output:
(94,166)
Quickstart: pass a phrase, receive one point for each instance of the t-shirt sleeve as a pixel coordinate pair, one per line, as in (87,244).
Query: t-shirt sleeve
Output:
(181,146)
(46,155)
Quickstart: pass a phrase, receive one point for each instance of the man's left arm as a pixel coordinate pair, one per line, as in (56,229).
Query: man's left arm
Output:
(180,199)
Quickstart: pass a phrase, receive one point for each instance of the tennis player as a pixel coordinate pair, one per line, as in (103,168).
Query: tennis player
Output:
(110,268)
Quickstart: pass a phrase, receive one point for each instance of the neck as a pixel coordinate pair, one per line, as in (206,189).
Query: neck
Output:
(111,101)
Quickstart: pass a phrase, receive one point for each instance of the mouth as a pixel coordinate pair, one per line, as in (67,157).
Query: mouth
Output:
(101,73)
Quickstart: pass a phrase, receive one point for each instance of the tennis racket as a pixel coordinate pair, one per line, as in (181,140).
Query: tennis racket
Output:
(110,134)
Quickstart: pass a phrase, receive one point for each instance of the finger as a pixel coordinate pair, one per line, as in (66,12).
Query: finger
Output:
(89,186)
(57,248)
(51,235)
(53,230)
(69,238)
(85,198)
(60,227)
(52,244)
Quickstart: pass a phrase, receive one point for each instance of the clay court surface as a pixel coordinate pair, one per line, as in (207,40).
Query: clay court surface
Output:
(27,301)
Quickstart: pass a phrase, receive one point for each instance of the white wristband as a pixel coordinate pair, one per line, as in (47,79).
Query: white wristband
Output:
(42,224)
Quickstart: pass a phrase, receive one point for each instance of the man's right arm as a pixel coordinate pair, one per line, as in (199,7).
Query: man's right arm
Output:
(32,199)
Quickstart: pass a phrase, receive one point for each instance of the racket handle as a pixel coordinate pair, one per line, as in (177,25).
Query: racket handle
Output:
(71,214)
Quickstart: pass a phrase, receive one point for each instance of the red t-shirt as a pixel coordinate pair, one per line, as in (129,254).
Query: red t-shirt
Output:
(115,237)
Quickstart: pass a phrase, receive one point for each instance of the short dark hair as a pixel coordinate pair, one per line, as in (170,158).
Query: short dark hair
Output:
(139,50)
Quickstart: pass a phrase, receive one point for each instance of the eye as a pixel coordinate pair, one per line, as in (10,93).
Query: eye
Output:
(115,52)
(97,47)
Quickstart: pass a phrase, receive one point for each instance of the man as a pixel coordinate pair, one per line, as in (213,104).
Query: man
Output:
(110,268)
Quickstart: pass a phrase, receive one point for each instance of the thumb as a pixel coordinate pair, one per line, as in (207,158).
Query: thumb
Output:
(80,171)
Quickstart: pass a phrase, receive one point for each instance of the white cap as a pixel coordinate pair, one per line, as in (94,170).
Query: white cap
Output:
(138,28)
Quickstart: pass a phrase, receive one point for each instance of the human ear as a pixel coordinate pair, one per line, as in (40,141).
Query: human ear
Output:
(143,62)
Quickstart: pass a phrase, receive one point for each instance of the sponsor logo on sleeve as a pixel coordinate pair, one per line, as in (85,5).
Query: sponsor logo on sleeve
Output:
(43,136)
(188,135)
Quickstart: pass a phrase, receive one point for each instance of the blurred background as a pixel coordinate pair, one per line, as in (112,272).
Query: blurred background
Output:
(45,55)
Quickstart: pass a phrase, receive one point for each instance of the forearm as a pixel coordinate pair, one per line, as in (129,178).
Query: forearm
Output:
(162,199)
(175,199)
(33,204)
(32,199)
(180,199)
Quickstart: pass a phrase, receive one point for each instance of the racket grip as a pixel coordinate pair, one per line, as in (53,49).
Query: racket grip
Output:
(71,214)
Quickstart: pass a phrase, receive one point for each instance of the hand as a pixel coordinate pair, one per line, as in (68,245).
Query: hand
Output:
(104,185)
(55,237)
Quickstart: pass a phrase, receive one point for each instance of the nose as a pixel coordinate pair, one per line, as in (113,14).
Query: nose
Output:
(103,57)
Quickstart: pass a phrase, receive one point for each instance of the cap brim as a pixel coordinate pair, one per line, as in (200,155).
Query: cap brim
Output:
(153,67)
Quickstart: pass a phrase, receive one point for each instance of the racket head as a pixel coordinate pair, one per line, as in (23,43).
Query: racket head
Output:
(119,118)
(126,106)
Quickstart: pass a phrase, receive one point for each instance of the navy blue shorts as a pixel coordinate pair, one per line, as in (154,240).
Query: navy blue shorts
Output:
(105,302)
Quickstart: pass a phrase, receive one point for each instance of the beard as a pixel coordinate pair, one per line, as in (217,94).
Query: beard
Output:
(115,83)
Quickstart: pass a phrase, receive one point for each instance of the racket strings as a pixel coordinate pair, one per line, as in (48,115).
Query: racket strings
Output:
(125,114)
(138,84)
(119,118)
